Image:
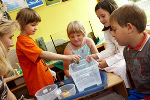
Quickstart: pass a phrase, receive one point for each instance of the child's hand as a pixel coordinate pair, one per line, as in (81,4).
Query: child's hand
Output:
(102,63)
(54,78)
(53,74)
(75,58)
(88,58)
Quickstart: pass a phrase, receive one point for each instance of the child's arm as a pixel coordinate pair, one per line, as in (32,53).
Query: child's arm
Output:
(10,95)
(92,55)
(93,48)
(54,56)
(65,62)
(92,45)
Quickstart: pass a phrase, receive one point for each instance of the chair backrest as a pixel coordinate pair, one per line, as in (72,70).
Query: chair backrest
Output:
(41,44)
(60,46)
(92,36)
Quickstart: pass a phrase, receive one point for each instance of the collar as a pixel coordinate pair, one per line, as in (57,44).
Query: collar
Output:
(140,46)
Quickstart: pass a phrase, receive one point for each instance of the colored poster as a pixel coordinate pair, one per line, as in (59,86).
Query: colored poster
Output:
(12,5)
(34,3)
(52,2)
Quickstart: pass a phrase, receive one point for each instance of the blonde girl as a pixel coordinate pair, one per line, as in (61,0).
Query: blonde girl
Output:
(79,43)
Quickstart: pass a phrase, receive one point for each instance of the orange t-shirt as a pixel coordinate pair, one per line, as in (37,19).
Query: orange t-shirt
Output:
(35,73)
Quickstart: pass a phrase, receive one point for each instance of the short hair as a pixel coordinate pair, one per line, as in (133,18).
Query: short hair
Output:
(26,16)
(6,27)
(130,13)
(108,5)
(76,27)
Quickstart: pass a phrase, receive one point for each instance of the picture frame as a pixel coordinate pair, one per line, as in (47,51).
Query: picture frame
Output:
(41,44)
(12,5)
(34,3)
(52,2)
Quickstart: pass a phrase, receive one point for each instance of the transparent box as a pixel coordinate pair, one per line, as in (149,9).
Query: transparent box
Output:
(85,74)
(47,93)
(70,90)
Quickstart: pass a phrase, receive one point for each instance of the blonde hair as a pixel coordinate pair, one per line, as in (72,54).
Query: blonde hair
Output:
(6,26)
(76,27)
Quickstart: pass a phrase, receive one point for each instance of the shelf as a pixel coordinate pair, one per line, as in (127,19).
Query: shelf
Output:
(18,87)
(15,82)
(12,78)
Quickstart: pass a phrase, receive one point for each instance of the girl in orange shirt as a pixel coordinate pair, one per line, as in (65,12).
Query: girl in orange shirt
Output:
(30,56)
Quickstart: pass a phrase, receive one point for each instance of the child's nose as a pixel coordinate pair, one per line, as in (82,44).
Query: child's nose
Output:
(36,27)
(101,20)
(76,38)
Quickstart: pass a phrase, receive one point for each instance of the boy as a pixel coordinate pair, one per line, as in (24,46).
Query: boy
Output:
(128,24)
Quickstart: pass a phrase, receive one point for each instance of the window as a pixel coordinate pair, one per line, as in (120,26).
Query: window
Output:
(144,4)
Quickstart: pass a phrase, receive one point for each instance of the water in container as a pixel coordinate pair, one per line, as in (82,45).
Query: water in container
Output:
(85,74)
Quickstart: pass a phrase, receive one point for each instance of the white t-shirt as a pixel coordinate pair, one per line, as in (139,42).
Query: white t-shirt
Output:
(113,51)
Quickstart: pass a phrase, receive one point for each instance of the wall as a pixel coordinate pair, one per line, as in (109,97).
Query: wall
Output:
(55,18)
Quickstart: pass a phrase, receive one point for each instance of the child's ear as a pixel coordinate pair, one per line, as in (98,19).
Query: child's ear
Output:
(130,27)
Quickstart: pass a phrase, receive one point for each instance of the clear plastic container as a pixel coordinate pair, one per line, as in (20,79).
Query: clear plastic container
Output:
(47,93)
(85,74)
(66,91)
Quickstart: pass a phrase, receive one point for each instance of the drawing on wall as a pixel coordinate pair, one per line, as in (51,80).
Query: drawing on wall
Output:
(52,2)
(12,5)
(34,3)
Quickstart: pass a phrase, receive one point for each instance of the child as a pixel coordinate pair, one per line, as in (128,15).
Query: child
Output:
(111,59)
(35,71)
(79,43)
(7,28)
(128,24)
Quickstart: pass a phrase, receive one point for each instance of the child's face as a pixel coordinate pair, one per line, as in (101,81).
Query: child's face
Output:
(7,40)
(103,16)
(76,38)
(30,28)
(120,33)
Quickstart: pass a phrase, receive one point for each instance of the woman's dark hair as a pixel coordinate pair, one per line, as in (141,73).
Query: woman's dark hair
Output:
(108,5)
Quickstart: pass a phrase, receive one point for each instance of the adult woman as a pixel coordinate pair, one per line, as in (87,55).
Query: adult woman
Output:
(7,28)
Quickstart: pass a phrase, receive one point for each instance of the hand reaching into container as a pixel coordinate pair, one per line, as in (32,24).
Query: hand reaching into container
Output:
(102,63)
(88,58)
(74,58)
